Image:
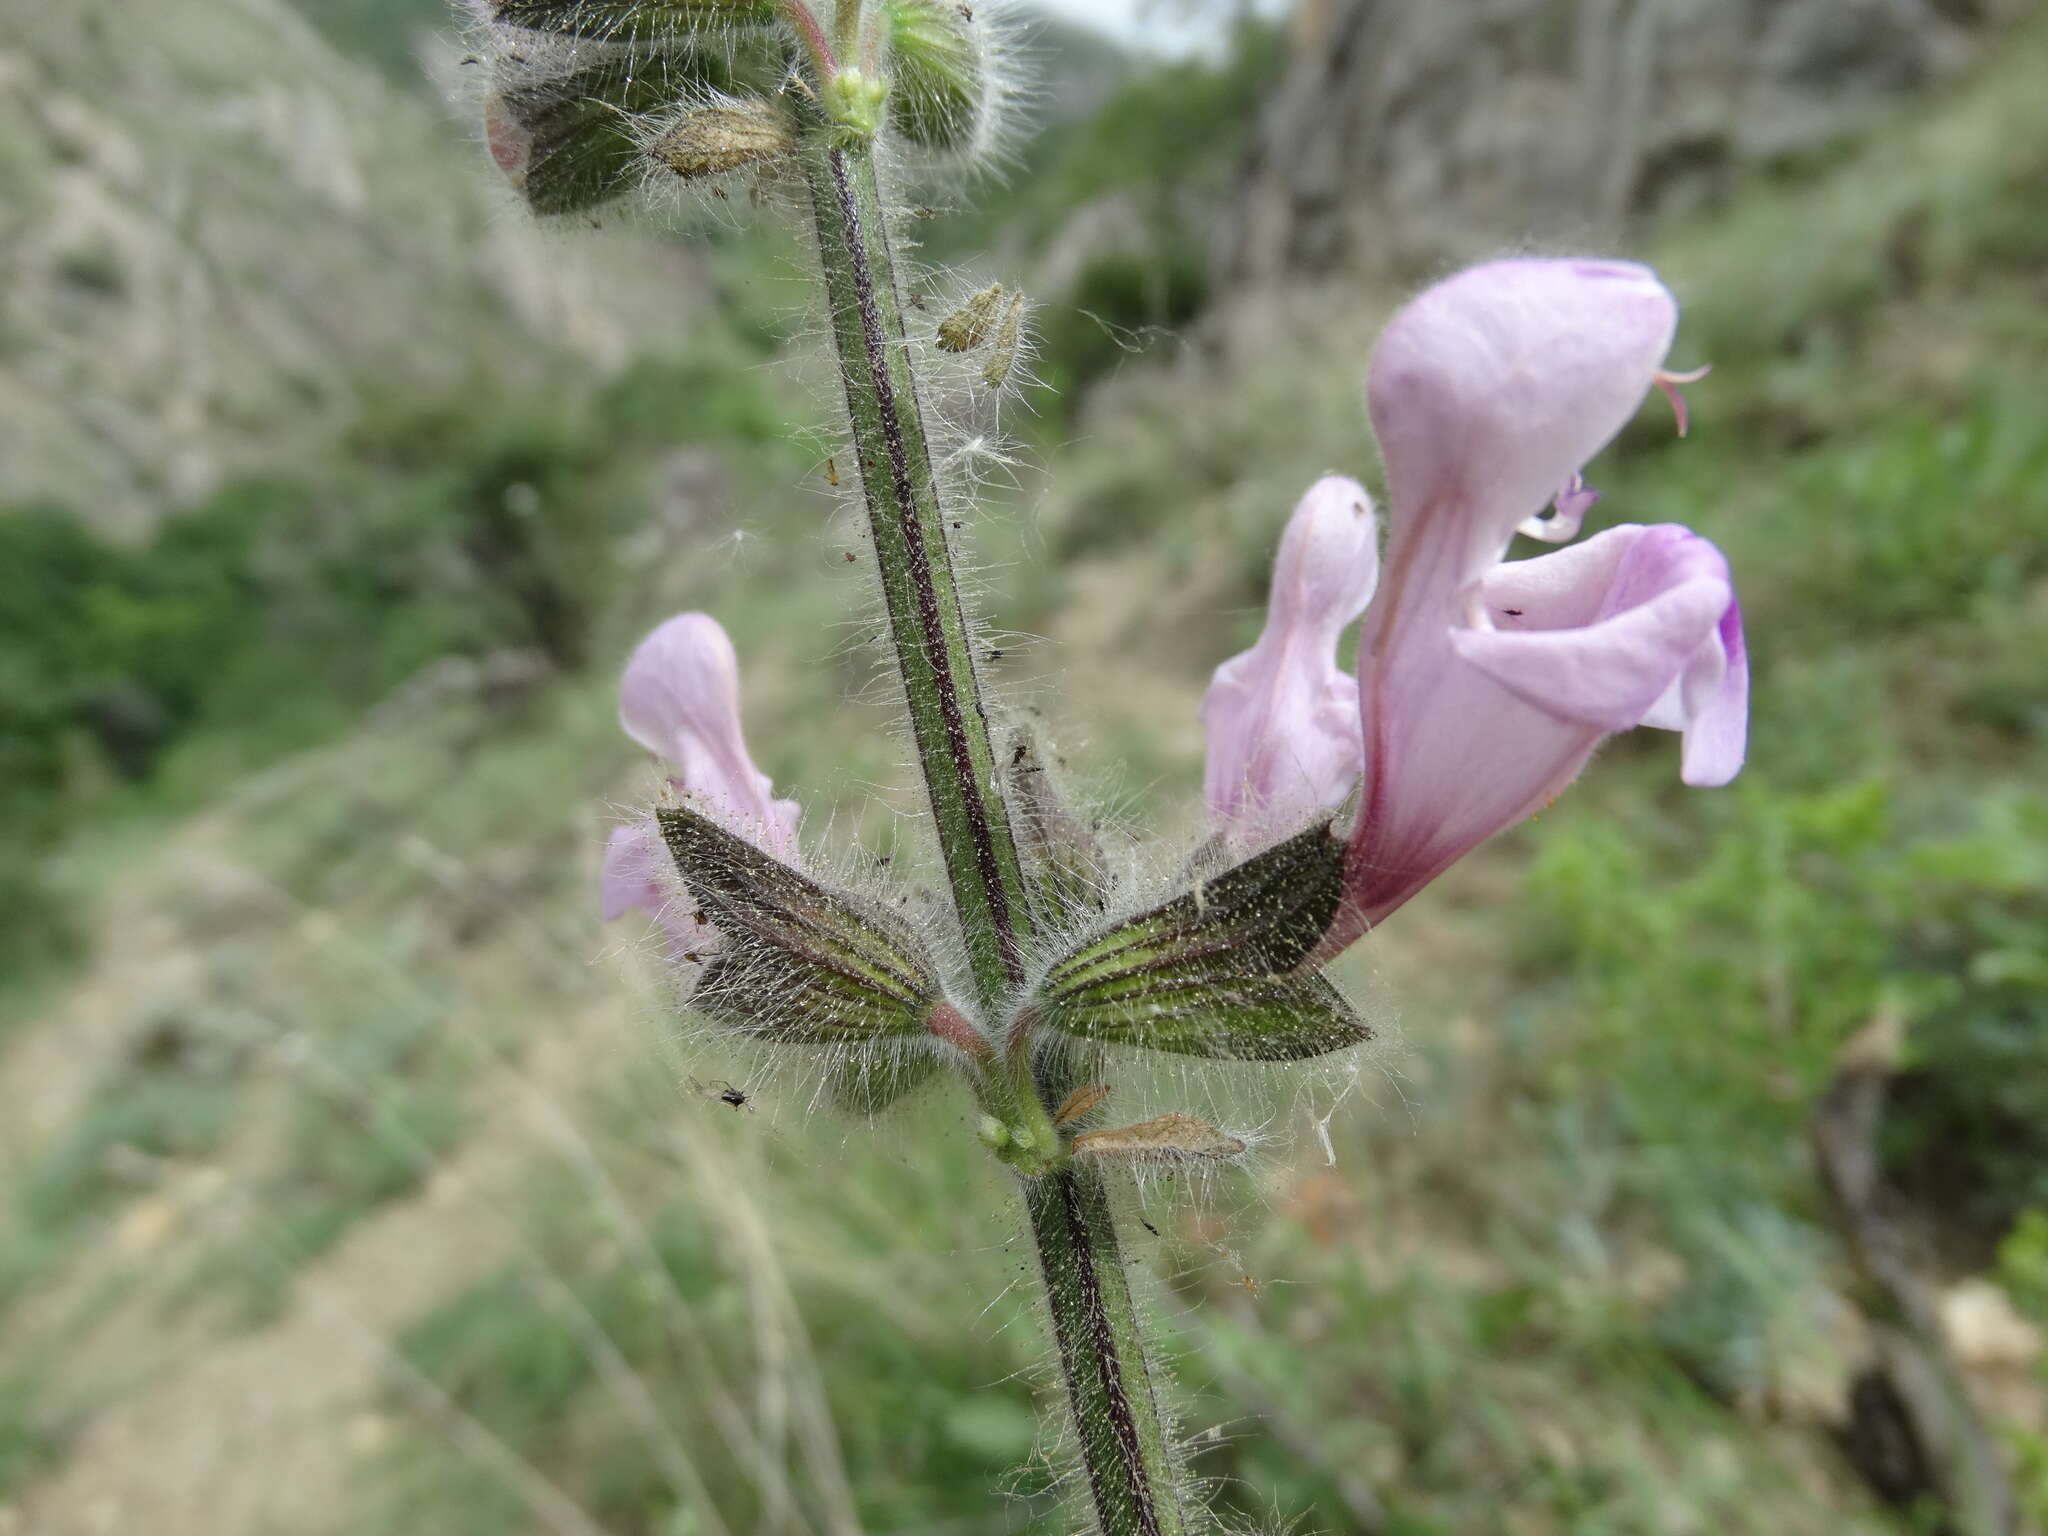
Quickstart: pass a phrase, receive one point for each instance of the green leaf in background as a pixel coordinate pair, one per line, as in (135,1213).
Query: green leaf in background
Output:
(1213,972)
(795,963)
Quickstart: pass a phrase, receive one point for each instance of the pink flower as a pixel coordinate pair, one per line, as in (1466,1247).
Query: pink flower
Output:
(1485,685)
(679,698)
(1282,718)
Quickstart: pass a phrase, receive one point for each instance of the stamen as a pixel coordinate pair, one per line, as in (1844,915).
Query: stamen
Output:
(1669,382)
(1567,513)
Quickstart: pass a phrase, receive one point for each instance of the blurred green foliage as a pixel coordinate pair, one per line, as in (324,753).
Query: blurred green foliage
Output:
(269,617)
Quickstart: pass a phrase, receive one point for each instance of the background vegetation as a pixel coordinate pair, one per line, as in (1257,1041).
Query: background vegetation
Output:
(353,1178)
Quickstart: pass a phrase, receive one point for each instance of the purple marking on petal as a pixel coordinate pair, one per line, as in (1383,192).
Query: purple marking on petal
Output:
(1567,514)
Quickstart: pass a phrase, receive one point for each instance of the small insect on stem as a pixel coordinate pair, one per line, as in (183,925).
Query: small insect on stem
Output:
(724,1092)
(832,473)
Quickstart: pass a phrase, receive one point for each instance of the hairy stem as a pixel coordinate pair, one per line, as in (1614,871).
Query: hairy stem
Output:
(1102,1356)
(1095,1323)
(927,623)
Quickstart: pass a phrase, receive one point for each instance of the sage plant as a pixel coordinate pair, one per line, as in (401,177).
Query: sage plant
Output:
(1482,686)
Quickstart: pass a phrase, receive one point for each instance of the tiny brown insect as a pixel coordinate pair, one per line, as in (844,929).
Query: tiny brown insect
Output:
(731,1095)
(1513,613)
(851,557)
(832,472)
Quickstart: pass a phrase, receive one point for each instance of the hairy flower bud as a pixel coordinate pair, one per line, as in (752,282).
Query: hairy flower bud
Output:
(707,141)
(939,88)
(970,325)
(1174,1137)
(1069,875)
(567,141)
(1002,356)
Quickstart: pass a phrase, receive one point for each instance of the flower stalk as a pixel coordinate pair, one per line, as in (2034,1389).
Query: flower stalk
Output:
(1119,1434)
(928,624)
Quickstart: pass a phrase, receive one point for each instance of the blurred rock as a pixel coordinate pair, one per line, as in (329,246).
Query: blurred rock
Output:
(223,238)
(1408,136)
(1985,1330)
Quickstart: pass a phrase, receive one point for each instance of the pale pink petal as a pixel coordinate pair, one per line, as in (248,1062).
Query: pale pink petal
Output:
(1637,609)
(679,698)
(1454,758)
(1471,726)
(639,873)
(1282,717)
(1627,608)
(1493,388)
(1715,704)
(634,863)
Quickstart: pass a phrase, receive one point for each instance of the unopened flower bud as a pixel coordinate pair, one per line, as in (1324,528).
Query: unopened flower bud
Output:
(1174,1137)
(1002,356)
(938,85)
(971,324)
(710,140)
(567,141)
(853,100)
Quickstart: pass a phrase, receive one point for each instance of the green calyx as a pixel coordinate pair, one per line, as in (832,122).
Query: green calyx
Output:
(568,139)
(939,85)
(797,963)
(1220,971)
